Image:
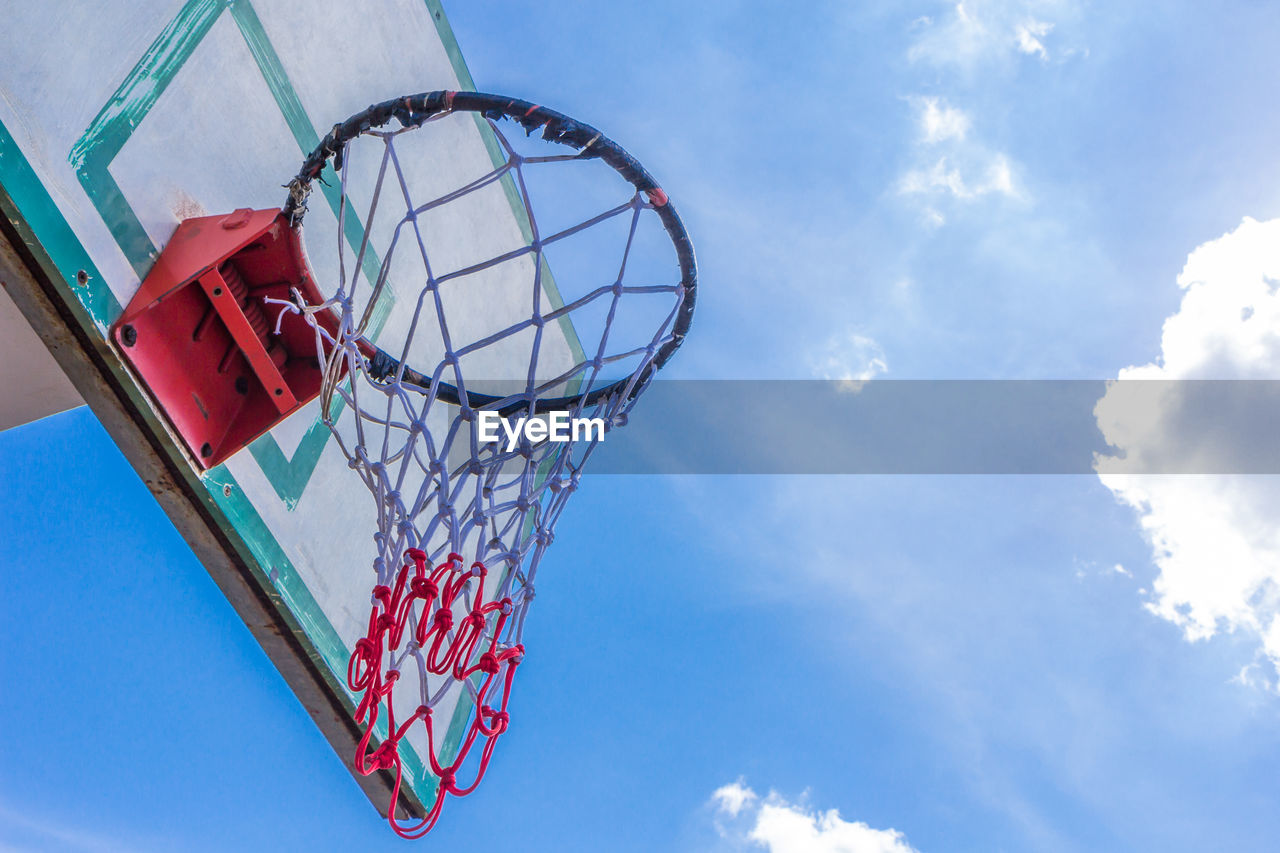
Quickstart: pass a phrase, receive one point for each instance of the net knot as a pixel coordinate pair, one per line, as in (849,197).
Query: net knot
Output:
(386,756)
(363,663)
(491,722)
(443,619)
(489,663)
(424,588)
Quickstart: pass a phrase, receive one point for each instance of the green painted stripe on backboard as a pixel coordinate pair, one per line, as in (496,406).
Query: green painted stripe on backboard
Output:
(303,130)
(27,205)
(115,123)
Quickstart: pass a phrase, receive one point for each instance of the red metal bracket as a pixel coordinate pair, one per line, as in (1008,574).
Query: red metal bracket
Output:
(205,344)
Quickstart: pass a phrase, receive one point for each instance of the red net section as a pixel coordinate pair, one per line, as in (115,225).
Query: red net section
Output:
(422,606)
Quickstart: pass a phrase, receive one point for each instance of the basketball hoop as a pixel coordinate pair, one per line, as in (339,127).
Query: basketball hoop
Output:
(462,520)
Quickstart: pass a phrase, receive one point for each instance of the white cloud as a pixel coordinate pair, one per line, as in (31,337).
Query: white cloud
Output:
(981,31)
(731,798)
(973,37)
(780,826)
(939,121)
(944,178)
(939,176)
(949,166)
(852,357)
(1030,38)
(1213,538)
(1229,320)
(959,38)
(999,177)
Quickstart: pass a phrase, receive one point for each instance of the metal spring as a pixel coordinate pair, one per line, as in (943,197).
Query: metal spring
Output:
(252,307)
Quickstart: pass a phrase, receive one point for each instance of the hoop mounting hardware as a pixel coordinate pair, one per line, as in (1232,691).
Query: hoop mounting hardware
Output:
(198,335)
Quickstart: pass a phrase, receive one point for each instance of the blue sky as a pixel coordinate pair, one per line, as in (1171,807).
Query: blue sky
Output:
(908,190)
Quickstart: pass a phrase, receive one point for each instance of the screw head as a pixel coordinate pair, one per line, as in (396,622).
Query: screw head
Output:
(206,449)
(242,385)
(129,336)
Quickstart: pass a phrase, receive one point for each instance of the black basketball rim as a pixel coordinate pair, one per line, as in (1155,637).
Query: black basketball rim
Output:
(412,111)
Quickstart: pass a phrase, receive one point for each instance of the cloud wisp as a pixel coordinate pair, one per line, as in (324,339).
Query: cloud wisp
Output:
(1029,36)
(940,121)
(849,356)
(979,32)
(949,167)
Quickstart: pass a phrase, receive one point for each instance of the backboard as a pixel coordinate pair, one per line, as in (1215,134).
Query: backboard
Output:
(164,110)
